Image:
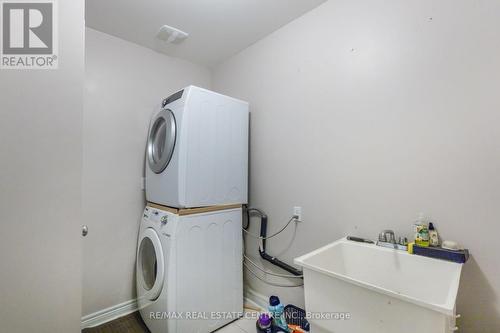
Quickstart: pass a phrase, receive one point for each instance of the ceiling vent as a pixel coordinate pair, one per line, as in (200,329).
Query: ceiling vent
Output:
(172,35)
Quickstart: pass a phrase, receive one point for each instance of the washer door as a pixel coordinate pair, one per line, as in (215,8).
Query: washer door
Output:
(161,140)
(150,264)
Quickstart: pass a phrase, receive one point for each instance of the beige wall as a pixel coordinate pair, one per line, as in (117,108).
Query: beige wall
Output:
(366,113)
(40,188)
(123,82)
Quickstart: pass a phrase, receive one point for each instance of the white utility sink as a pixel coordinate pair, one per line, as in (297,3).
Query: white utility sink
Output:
(380,290)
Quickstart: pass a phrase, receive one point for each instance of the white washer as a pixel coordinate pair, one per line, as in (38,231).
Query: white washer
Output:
(189,266)
(197,150)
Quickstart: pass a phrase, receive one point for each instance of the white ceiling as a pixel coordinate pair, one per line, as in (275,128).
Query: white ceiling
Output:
(218,29)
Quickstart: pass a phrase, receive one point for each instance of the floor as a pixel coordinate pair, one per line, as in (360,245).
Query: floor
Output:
(128,324)
(244,325)
(134,324)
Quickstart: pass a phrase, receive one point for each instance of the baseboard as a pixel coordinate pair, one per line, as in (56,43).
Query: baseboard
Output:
(251,297)
(109,314)
(255,299)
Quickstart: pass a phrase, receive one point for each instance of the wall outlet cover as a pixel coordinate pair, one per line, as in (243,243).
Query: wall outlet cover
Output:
(297,213)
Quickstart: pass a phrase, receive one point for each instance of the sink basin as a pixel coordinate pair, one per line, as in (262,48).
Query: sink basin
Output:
(376,289)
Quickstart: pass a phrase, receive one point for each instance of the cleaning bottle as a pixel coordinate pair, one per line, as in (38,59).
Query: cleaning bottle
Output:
(276,309)
(433,235)
(264,324)
(421,231)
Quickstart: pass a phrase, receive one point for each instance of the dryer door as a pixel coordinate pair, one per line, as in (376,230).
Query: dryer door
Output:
(150,264)
(161,140)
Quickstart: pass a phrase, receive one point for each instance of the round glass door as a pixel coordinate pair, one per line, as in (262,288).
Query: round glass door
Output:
(161,140)
(150,264)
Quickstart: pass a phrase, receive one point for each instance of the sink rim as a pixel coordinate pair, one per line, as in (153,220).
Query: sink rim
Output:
(448,308)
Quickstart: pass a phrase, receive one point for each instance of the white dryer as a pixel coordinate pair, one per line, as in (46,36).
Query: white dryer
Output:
(189,270)
(197,150)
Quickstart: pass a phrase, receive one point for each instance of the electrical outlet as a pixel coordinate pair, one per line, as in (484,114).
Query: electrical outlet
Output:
(297,213)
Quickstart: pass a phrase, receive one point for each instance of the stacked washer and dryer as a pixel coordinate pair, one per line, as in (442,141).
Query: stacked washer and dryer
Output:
(189,255)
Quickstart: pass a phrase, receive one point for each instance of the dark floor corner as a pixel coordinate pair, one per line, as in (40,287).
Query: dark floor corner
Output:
(131,323)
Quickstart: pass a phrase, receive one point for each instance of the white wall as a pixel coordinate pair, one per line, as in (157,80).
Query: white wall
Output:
(40,188)
(366,113)
(123,84)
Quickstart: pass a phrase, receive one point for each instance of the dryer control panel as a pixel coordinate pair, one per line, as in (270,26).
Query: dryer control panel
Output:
(172,98)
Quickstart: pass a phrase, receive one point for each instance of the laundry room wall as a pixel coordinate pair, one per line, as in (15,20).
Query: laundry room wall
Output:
(123,83)
(366,113)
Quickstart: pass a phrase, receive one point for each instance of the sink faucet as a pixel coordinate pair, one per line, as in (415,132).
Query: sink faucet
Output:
(387,238)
